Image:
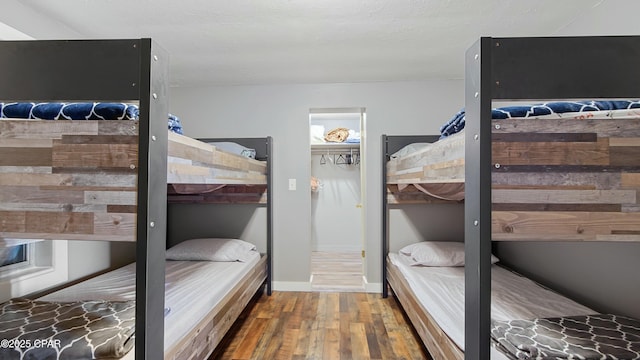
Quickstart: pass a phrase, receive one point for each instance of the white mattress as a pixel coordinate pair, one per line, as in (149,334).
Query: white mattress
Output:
(192,289)
(441,291)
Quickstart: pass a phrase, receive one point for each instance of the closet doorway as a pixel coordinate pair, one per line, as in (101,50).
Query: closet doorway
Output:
(337,201)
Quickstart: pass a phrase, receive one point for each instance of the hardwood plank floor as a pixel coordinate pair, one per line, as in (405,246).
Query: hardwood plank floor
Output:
(321,325)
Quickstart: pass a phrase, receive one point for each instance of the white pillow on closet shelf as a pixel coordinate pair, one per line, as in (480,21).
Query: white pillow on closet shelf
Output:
(437,253)
(211,249)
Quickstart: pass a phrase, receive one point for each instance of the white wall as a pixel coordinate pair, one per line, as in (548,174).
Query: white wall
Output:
(89,257)
(611,17)
(9,33)
(282,111)
(336,221)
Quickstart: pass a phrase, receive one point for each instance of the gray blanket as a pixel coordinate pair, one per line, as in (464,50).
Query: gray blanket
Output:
(31,329)
(601,336)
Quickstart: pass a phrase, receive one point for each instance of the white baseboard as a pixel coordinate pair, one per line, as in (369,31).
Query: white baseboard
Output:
(306,286)
(372,287)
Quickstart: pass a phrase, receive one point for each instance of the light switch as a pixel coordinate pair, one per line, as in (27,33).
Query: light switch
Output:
(292,184)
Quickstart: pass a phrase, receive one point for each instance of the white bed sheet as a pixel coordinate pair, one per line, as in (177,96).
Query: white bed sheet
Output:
(441,291)
(192,289)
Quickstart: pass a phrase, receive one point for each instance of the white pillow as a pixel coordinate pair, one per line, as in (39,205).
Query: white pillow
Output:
(437,253)
(211,249)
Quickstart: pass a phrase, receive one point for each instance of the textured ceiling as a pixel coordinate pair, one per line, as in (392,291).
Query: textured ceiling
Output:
(228,42)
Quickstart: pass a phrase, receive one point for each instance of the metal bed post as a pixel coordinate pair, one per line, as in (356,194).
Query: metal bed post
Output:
(521,68)
(269,214)
(152,200)
(477,201)
(384,220)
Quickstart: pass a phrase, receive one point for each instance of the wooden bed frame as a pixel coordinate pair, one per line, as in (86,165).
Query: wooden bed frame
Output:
(590,167)
(561,179)
(436,175)
(440,346)
(111,180)
(82,177)
(208,333)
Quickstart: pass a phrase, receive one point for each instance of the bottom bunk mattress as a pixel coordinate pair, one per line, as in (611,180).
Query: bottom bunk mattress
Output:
(193,289)
(440,290)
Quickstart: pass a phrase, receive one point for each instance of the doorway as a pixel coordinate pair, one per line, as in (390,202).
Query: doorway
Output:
(337,208)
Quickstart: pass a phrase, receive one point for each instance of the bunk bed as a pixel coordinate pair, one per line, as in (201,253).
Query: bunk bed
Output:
(111,179)
(560,177)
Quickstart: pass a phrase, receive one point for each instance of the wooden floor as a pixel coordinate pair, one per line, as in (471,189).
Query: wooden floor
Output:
(336,271)
(321,325)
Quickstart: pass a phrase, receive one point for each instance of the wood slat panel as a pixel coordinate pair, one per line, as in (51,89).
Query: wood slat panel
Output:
(551,153)
(603,127)
(179,173)
(549,196)
(28,156)
(118,127)
(410,194)
(63,167)
(80,171)
(98,139)
(110,156)
(544,137)
(110,197)
(183,147)
(557,207)
(34,194)
(25,143)
(626,141)
(558,179)
(191,151)
(58,223)
(625,155)
(37,179)
(572,179)
(228,193)
(561,225)
(48,129)
(630,180)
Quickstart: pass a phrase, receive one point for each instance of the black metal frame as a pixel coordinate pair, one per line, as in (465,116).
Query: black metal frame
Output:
(264,152)
(390,145)
(123,70)
(526,69)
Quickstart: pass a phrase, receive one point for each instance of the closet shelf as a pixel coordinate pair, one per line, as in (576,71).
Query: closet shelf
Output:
(335,147)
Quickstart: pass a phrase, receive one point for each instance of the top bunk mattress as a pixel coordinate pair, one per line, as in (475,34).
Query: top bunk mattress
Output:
(189,161)
(581,110)
(78,111)
(563,137)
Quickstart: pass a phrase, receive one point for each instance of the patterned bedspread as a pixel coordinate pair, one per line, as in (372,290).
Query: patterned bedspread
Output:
(32,329)
(456,123)
(601,336)
(78,111)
